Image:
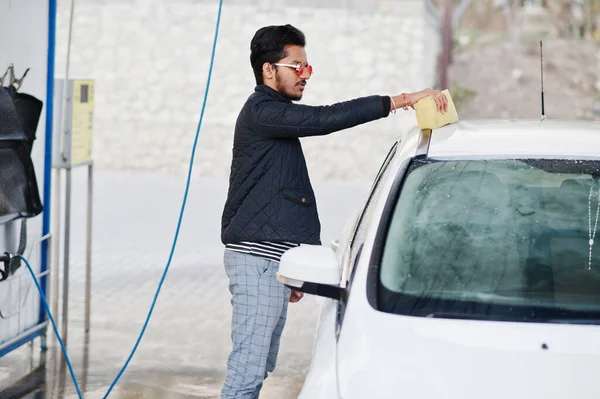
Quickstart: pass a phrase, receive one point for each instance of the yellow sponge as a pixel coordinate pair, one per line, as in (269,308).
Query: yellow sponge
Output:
(429,117)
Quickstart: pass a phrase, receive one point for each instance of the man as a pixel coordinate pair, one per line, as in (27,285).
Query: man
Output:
(271,205)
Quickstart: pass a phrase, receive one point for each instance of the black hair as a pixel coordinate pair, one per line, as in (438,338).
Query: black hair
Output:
(268,45)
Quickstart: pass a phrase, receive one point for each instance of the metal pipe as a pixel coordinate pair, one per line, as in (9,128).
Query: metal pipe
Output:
(56,245)
(25,334)
(66,98)
(66,81)
(47,272)
(67,243)
(88,247)
(26,276)
(38,241)
(48,143)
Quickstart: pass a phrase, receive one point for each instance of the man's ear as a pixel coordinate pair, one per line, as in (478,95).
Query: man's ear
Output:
(267,70)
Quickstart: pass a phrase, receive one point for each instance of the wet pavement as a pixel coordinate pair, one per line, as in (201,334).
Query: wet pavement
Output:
(184,350)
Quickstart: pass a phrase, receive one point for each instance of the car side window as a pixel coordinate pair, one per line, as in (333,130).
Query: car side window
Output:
(359,234)
(365,217)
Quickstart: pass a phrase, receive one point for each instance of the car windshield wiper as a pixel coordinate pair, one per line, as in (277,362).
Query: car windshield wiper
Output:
(574,320)
(457,315)
(559,320)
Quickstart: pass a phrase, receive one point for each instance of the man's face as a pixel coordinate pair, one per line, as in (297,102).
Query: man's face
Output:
(289,82)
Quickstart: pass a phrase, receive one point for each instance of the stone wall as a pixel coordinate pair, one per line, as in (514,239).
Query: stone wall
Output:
(150,60)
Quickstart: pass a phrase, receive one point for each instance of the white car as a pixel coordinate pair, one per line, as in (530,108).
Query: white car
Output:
(472,272)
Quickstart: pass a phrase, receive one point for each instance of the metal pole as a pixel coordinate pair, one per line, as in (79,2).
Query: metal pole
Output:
(48,148)
(65,312)
(66,99)
(88,258)
(85,363)
(56,244)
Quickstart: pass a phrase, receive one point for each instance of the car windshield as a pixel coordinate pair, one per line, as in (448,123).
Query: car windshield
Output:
(507,240)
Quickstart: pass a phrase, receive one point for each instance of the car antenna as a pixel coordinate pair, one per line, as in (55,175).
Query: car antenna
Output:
(542,78)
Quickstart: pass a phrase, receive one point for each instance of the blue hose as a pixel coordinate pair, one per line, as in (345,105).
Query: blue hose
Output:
(185,196)
(62,346)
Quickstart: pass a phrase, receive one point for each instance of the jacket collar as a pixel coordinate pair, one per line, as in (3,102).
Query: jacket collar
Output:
(273,93)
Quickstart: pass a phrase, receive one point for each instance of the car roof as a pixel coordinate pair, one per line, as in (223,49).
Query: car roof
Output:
(511,139)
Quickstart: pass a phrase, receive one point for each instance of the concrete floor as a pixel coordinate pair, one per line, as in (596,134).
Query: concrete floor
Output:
(183,353)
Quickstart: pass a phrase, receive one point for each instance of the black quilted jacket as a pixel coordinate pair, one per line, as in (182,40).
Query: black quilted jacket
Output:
(270,196)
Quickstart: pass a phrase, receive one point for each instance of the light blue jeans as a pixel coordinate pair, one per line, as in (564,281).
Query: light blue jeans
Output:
(259,303)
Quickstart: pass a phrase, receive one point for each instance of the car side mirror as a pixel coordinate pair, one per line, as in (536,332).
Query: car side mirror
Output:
(312,269)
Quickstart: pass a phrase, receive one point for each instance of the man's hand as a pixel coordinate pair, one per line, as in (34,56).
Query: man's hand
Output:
(409,99)
(295,296)
(440,99)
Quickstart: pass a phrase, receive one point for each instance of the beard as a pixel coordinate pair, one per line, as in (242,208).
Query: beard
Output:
(283,89)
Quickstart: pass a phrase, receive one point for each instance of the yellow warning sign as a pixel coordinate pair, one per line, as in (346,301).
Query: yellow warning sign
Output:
(82,122)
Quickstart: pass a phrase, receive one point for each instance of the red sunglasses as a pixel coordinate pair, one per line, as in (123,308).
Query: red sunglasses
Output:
(299,68)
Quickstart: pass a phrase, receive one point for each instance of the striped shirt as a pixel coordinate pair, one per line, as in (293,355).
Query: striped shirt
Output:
(264,249)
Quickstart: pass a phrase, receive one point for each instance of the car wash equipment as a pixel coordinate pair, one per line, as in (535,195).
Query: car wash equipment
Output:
(5,257)
(19,194)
